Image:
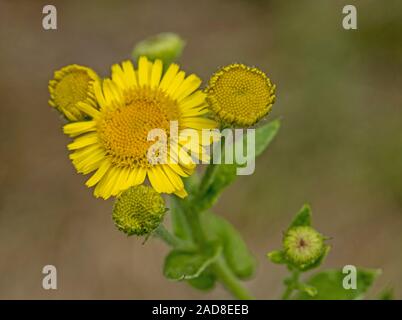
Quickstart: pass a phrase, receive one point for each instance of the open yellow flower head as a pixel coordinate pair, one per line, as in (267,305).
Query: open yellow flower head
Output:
(71,85)
(138,211)
(114,144)
(240,95)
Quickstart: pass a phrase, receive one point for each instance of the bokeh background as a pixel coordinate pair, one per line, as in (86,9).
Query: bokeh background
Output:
(340,146)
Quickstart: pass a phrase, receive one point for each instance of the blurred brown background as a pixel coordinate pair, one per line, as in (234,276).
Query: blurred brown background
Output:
(340,146)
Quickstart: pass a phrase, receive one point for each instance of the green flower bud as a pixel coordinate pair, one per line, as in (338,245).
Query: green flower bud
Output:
(303,246)
(139,210)
(165,46)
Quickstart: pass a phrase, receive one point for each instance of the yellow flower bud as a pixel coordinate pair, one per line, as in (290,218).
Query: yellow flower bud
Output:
(71,85)
(139,210)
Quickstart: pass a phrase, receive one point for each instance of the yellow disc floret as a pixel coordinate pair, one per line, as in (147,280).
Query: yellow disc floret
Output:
(124,130)
(71,85)
(139,210)
(240,95)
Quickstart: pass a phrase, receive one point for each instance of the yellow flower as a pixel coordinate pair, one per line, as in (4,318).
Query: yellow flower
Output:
(240,95)
(71,85)
(133,102)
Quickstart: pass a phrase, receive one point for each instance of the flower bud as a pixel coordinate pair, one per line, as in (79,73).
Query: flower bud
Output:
(71,85)
(139,210)
(303,246)
(165,46)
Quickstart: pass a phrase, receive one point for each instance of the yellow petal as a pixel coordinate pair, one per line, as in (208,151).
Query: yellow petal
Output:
(88,109)
(198,123)
(76,128)
(193,100)
(160,182)
(143,71)
(188,86)
(177,81)
(100,98)
(181,193)
(169,76)
(99,173)
(156,73)
(83,141)
(118,76)
(173,177)
(129,73)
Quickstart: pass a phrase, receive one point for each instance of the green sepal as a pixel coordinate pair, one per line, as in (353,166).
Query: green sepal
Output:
(277,256)
(302,218)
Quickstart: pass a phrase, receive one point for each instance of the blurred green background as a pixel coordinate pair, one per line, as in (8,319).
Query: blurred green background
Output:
(340,146)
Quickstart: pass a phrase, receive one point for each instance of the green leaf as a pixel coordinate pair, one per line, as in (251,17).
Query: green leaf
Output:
(192,183)
(329,285)
(235,251)
(180,225)
(185,264)
(310,290)
(206,280)
(224,175)
(166,46)
(303,218)
(264,136)
(387,294)
(277,256)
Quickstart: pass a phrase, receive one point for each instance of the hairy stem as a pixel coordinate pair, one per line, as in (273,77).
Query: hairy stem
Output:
(207,179)
(292,283)
(230,281)
(164,234)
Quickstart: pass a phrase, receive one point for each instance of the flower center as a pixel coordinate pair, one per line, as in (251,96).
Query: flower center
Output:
(72,88)
(124,130)
(240,94)
(139,210)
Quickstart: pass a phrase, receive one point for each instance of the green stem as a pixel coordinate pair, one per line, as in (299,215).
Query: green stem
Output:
(167,237)
(230,281)
(292,284)
(194,220)
(207,178)
(223,272)
(192,214)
